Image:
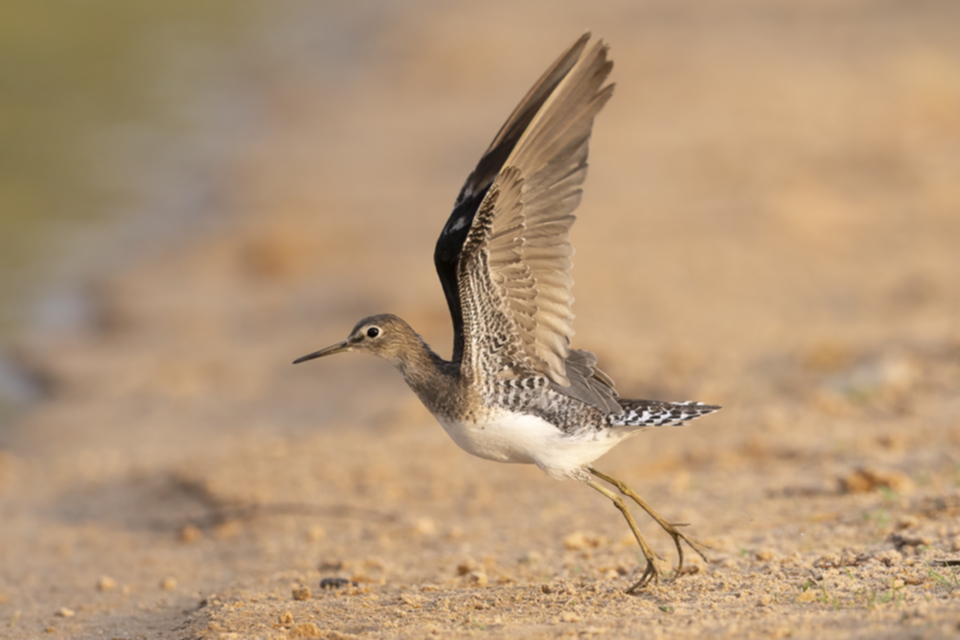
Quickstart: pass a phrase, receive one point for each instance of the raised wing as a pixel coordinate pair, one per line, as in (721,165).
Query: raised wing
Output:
(514,266)
(446,257)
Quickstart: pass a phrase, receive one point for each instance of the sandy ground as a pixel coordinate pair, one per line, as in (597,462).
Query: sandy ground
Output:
(771,223)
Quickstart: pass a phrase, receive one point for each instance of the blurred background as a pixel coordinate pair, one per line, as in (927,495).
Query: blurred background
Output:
(193,195)
(108,115)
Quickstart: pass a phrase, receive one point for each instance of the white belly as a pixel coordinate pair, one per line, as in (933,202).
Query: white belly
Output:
(527,439)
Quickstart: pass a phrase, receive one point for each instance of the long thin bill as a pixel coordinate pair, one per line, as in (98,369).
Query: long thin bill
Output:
(328,351)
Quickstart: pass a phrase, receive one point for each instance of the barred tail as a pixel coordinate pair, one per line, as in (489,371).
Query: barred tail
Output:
(654,413)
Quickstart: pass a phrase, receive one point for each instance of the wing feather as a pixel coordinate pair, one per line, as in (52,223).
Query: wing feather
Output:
(453,236)
(517,251)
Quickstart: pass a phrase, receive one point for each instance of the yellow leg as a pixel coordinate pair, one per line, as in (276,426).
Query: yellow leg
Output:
(652,571)
(671,529)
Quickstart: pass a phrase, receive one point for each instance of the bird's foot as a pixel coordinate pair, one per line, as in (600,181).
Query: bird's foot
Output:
(651,573)
(678,539)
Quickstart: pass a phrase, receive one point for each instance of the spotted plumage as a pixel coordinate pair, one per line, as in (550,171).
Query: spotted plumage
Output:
(514,389)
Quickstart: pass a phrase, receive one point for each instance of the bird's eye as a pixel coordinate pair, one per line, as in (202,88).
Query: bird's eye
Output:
(373,332)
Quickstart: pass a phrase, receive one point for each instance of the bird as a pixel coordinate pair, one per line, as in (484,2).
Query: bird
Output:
(514,390)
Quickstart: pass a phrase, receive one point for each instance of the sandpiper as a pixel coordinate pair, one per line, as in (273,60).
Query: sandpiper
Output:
(514,390)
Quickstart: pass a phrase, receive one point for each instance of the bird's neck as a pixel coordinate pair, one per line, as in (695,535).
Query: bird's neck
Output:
(435,381)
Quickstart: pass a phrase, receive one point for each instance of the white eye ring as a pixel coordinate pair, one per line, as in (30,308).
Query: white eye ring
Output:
(373,332)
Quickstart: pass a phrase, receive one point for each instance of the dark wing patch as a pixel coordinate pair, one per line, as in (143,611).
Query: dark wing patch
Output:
(446,256)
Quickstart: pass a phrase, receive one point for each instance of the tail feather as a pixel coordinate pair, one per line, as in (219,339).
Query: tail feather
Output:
(655,413)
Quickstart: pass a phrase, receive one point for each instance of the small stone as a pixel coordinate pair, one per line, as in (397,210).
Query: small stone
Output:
(168,584)
(829,561)
(907,522)
(305,630)
(335,583)
(301,592)
(477,578)
(766,555)
(228,529)
(285,618)
(106,583)
(66,613)
(189,534)
(412,600)
(315,533)
(892,442)
(570,616)
(864,480)
(425,527)
(807,596)
(903,542)
(690,568)
(575,541)
(583,540)
(466,567)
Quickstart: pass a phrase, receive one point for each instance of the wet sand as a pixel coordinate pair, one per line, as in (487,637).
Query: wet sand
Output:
(770,223)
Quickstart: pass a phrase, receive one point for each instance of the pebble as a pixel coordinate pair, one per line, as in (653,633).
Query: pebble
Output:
(466,566)
(807,596)
(583,540)
(425,527)
(302,592)
(168,584)
(865,480)
(765,555)
(305,630)
(106,583)
(477,578)
(336,583)
(190,534)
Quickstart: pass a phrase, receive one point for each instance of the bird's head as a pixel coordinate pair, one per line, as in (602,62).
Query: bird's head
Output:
(383,335)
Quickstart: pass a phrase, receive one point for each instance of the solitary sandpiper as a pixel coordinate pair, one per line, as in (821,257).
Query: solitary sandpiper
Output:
(514,390)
